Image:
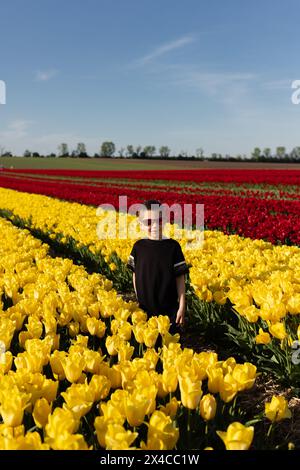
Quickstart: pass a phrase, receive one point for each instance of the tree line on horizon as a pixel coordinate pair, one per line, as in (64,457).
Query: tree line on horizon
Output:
(108,150)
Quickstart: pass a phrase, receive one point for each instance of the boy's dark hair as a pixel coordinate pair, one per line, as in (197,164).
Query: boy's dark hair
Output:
(148,205)
(152,202)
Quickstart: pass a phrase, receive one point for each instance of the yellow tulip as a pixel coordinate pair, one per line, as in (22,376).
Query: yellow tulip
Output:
(99,387)
(93,361)
(150,336)
(277,409)
(112,411)
(190,391)
(125,352)
(117,438)
(12,408)
(56,363)
(100,425)
(237,436)
(79,399)
(215,378)
(6,360)
(135,408)
(61,422)
(244,374)
(263,337)
(208,407)
(138,331)
(151,357)
(49,389)
(228,388)
(278,330)
(95,327)
(31,441)
(112,344)
(41,411)
(68,441)
(115,377)
(170,379)
(170,339)
(161,429)
(171,408)
(73,366)
(163,324)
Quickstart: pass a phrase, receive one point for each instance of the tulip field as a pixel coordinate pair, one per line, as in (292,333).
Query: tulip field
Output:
(81,365)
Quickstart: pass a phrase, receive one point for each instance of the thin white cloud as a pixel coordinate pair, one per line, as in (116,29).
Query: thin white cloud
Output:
(16,129)
(280,84)
(210,82)
(45,75)
(165,48)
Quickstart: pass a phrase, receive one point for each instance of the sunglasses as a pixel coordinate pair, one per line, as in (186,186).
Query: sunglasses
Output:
(149,222)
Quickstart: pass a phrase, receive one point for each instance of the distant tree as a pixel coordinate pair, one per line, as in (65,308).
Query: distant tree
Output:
(267,152)
(81,150)
(200,152)
(121,152)
(256,153)
(138,150)
(214,156)
(295,153)
(280,152)
(164,151)
(27,154)
(63,150)
(107,149)
(129,150)
(51,155)
(36,154)
(6,153)
(149,150)
(2,151)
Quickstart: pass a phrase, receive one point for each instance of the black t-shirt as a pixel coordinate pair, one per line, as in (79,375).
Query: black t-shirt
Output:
(156,264)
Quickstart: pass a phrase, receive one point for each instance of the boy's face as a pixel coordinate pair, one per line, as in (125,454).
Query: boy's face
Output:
(152,223)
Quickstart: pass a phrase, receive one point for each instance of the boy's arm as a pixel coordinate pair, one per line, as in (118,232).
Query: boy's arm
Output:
(180,284)
(131,266)
(133,280)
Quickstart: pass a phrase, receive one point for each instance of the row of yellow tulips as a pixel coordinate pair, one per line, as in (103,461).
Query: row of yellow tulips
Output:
(55,383)
(262,281)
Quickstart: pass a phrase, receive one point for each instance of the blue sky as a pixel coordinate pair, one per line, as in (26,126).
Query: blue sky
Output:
(196,73)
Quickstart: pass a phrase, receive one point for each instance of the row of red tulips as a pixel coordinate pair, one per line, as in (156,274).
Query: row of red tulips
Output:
(273,220)
(268,176)
(231,190)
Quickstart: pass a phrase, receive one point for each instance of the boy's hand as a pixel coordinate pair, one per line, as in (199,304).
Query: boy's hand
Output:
(180,316)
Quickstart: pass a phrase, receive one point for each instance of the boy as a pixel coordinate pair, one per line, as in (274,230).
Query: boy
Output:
(159,268)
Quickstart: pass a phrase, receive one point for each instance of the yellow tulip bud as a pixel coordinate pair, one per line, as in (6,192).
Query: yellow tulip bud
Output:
(208,407)
(170,379)
(41,411)
(190,391)
(215,378)
(263,337)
